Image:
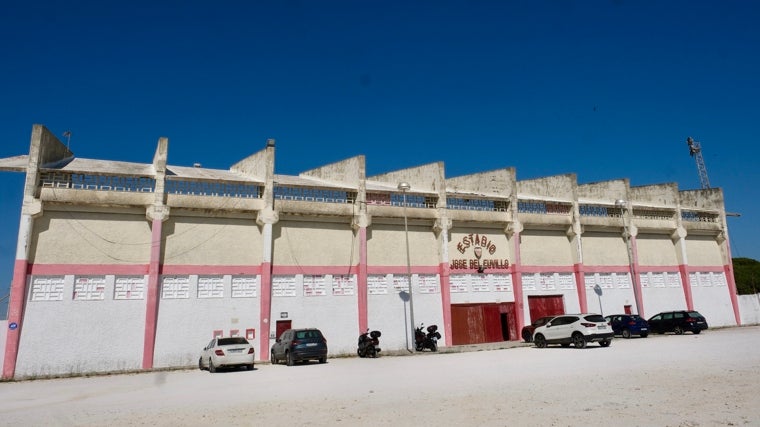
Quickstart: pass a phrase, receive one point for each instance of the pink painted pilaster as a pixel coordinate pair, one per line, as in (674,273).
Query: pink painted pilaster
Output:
(729,272)
(636,279)
(517,283)
(580,284)
(266,309)
(15,316)
(445,272)
(362,281)
(151,302)
(686,284)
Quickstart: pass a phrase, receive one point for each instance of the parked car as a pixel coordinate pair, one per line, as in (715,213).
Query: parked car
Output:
(678,321)
(227,352)
(295,345)
(575,329)
(628,325)
(527,330)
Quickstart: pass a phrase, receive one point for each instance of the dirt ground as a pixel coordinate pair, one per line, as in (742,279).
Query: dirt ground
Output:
(709,379)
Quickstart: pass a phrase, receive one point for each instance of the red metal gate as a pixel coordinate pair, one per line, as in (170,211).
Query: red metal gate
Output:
(545,305)
(482,323)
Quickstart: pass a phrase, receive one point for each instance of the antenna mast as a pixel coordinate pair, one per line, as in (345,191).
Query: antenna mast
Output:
(695,150)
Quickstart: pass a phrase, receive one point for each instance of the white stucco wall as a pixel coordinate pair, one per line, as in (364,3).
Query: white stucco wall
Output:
(604,249)
(186,325)
(68,336)
(72,237)
(309,243)
(714,302)
(334,315)
(703,250)
(657,299)
(211,241)
(539,247)
(656,250)
(749,307)
(386,245)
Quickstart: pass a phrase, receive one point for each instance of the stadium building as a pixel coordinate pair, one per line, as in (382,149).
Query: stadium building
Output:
(127,266)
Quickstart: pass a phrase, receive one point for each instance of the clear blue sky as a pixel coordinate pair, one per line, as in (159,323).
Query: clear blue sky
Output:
(603,89)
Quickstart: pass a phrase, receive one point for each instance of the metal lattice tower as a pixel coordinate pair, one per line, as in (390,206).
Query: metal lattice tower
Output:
(695,150)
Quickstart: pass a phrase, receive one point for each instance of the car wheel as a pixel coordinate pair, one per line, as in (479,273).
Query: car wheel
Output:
(289,358)
(272,359)
(696,331)
(200,364)
(249,366)
(211,367)
(322,360)
(526,336)
(678,330)
(626,333)
(605,343)
(579,341)
(540,341)
(644,335)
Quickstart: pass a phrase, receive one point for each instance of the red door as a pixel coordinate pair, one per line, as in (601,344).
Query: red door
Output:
(545,305)
(282,326)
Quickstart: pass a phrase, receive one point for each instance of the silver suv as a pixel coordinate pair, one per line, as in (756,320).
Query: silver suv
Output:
(575,329)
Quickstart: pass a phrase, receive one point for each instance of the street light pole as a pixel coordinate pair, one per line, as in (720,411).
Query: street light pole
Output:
(621,204)
(404,187)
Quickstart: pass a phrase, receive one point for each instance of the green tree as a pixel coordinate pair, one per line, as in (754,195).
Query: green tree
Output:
(747,275)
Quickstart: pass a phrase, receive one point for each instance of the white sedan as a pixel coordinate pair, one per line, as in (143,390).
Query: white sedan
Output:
(227,352)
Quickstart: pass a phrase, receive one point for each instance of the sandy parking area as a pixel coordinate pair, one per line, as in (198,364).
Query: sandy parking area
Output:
(691,380)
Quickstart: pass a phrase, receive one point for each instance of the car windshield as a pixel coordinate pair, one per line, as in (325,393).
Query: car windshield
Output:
(694,314)
(636,317)
(594,318)
(232,341)
(308,334)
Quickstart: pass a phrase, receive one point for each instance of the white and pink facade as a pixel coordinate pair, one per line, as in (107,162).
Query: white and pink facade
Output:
(125,266)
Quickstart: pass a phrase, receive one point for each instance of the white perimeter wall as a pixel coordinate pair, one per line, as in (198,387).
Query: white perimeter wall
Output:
(187,324)
(749,307)
(68,336)
(335,315)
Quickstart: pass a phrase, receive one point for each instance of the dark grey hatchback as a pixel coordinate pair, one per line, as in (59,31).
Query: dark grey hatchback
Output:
(295,345)
(677,321)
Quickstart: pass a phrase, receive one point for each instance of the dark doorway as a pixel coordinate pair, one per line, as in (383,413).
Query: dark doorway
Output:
(504,326)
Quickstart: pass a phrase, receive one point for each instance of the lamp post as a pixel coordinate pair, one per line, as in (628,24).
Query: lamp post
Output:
(621,204)
(404,187)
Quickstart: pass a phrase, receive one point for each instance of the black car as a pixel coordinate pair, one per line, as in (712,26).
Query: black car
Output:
(527,330)
(678,321)
(628,324)
(295,345)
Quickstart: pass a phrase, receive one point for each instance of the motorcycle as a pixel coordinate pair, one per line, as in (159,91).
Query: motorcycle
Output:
(369,344)
(427,340)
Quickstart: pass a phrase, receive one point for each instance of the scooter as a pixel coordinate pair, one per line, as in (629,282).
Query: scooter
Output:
(369,344)
(426,340)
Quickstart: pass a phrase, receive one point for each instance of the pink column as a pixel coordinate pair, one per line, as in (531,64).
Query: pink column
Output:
(636,279)
(686,284)
(266,293)
(580,284)
(17,298)
(517,283)
(728,269)
(445,270)
(361,291)
(151,303)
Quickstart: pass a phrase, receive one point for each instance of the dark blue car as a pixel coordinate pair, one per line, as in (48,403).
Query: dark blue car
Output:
(628,324)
